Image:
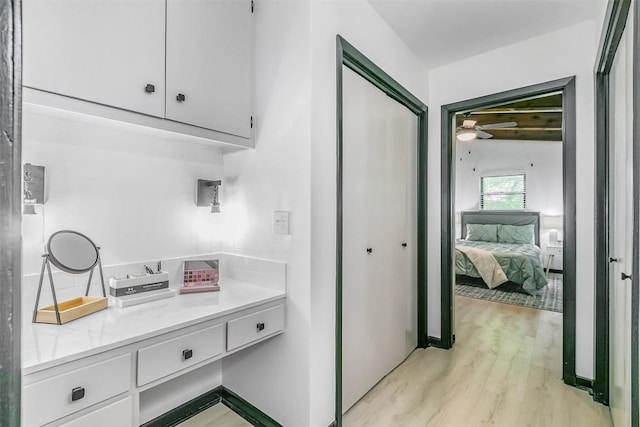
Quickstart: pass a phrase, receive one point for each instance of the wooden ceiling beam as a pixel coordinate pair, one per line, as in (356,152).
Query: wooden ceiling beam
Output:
(544,101)
(524,120)
(528,135)
(519,111)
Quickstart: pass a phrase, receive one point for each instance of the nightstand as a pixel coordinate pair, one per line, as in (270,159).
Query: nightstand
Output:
(554,257)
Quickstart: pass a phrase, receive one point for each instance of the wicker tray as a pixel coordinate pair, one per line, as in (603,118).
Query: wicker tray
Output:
(71,309)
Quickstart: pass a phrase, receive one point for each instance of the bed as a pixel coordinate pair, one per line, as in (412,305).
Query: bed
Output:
(521,262)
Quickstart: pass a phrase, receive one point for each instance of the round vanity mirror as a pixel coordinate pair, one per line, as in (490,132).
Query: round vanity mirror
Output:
(72,252)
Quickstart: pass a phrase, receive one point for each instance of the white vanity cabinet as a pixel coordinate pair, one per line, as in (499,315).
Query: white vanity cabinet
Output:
(129,366)
(209,64)
(110,52)
(165,358)
(118,414)
(185,62)
(75,389)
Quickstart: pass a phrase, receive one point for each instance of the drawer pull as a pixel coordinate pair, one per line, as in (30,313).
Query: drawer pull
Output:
(149,88)
(260,327)
(181,97)
(77,393)
(187,354)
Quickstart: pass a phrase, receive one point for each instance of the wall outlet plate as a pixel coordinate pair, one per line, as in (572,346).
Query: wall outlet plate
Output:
(281,222)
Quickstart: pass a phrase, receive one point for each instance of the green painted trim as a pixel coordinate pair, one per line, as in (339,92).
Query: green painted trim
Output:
(187,410)
(339,232)
(617,14)
(436,342)
(349,56)
(355,60)
(616,19)
(635,274)
(11,212)
(246,410)
(601,239)
(585,384)
(569,308)
(205,401)
(567,87)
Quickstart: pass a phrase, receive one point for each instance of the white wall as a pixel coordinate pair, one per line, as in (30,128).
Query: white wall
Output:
(361,26)
(548,57)
(293,168)
(274,376)
(129,188)
(501,157)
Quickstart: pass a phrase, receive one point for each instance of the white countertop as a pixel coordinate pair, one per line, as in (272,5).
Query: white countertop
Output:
(44,346)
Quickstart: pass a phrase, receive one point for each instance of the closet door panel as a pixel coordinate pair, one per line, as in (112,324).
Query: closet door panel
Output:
(620,227)
(375,284)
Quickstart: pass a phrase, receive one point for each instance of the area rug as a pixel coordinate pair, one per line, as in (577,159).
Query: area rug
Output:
(548,298)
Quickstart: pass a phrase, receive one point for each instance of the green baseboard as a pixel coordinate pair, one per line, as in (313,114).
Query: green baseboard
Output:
(585,384)
(246,410)
(437,342)
(205,401)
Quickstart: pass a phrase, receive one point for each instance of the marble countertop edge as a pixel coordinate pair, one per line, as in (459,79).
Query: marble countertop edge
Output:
(148,320)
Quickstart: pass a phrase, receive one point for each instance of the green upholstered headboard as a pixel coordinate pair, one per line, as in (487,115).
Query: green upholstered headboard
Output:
(501,217)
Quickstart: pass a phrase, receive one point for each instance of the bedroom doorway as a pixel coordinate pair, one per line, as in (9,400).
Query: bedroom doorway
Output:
(508,201)
(497,206)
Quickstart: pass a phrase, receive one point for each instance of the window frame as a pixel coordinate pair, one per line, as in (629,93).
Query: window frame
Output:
(523,192)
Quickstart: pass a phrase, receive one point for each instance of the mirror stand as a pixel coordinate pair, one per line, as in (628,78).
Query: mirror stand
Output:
(90,305)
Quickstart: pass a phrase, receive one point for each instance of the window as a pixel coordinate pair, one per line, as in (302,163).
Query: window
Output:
(507,192)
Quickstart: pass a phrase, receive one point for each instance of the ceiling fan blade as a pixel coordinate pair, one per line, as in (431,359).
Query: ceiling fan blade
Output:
(469,124)
(499,125)
(483,135)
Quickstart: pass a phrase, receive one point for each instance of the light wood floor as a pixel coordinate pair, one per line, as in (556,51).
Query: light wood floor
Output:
(504,370)
(218,416)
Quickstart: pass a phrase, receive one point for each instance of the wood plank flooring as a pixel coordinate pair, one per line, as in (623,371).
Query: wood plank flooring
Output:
(504,370)
(218,416)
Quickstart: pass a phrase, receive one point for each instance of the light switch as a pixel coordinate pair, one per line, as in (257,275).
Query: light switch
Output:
(281,222)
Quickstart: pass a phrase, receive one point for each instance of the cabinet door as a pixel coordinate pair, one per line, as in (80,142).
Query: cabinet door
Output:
(104,51)
(209,64)
(118,414)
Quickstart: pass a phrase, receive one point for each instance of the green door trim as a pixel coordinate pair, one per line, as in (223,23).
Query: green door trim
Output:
(568,88)
(350,57)
(617,14)
(10,211)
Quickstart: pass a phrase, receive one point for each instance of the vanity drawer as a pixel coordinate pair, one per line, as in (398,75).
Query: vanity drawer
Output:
(59,396)
(246,329)
(118,414)
(165,358)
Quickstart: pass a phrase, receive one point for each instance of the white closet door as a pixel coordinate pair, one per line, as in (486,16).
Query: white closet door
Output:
(621,219)
(379,188)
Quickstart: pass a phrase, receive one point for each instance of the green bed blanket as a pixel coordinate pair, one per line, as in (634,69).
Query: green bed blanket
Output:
(521,263)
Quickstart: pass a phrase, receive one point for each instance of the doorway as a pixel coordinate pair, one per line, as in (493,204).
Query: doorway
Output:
(353,66)
(565,87)
(617,264)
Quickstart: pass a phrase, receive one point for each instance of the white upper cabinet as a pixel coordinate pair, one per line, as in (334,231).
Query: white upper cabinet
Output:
(104,51)
(188,61)
(209,64)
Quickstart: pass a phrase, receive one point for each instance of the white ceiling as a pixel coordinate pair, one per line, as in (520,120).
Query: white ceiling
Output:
(444,31)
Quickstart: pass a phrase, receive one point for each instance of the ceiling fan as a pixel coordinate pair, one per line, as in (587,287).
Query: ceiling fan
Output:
(469,131)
